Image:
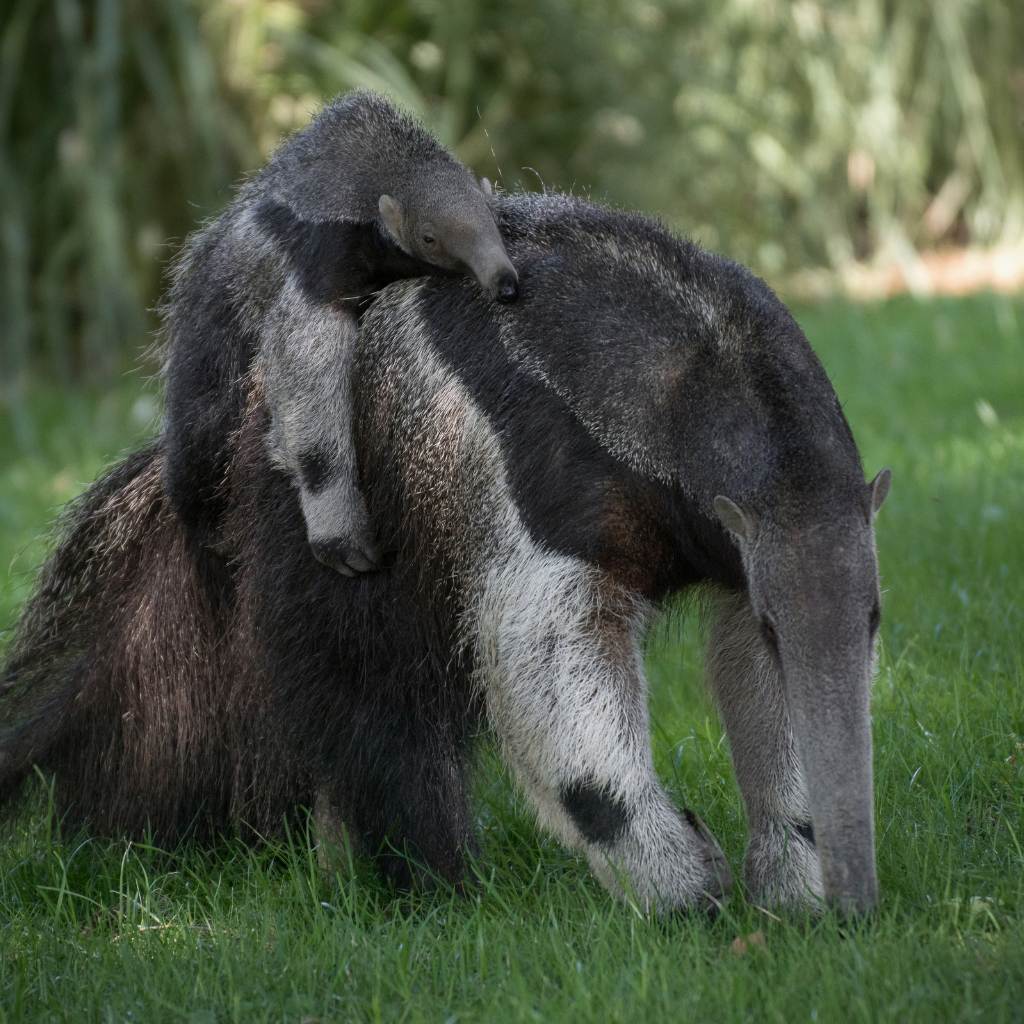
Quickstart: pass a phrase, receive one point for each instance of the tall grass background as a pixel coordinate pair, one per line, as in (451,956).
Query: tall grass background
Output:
(789,135)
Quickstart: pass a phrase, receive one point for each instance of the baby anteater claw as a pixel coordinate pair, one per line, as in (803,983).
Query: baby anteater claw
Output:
(346,556)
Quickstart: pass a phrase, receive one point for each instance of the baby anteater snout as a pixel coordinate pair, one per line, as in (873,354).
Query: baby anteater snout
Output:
(506,286)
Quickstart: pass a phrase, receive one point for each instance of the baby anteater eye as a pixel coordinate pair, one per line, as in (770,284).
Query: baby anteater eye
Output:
(771,638)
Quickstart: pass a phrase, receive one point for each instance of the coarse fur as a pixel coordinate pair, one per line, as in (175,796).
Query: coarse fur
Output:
(361,197)
(647,418)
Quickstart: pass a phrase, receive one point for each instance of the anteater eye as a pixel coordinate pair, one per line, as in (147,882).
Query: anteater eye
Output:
(768,632)
(429,239)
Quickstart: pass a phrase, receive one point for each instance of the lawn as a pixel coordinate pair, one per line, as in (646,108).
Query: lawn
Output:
(101,930)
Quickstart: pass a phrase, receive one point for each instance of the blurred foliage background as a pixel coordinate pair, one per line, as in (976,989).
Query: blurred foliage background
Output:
(794,135)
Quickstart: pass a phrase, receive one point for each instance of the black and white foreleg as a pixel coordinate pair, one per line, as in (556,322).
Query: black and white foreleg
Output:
(782,864)
(308,352)
(561,667)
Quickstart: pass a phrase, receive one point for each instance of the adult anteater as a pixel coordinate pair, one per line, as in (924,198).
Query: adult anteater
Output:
(647,418)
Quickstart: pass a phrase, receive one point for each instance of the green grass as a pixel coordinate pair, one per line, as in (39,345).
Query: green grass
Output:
(101,930)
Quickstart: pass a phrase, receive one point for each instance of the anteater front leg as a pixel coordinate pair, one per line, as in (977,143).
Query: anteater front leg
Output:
(560,664)
(782,865)
(309,350)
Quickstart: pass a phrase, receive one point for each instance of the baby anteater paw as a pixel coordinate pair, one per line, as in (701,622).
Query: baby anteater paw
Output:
(339,530)
(348,555)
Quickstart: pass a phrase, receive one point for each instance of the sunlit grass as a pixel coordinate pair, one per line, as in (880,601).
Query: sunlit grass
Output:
(95,929)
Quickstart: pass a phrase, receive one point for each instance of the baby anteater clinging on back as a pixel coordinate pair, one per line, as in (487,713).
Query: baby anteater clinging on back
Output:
(361,197)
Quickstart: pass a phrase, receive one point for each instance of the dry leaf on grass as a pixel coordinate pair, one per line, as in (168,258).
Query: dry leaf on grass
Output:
(742,944)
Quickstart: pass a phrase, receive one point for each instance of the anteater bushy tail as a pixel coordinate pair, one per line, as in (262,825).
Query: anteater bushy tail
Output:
(121,678)
(42,677)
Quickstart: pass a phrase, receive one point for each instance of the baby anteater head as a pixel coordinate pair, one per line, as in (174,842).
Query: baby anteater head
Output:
(445,219)
(362,158)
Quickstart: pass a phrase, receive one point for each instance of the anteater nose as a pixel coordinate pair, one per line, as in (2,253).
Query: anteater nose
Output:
(507,288)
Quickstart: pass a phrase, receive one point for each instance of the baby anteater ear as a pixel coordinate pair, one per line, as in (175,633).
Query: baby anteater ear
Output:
(879,488)
(391,213)
(734,519)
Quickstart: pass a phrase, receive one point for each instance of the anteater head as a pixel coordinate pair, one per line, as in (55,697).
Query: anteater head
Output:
(812,578)
(448,222)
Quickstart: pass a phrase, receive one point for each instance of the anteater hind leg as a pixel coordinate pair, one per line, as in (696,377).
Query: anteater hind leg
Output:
(562,671)
(782,866)
(401,794)
(309,351)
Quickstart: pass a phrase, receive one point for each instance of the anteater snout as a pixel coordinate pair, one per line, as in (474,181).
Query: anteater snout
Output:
(506,286)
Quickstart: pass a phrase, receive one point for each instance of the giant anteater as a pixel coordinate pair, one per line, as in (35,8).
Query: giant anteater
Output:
(647,418)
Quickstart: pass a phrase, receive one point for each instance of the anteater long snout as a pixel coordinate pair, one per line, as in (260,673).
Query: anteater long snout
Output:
(829,708)
(487,260)
(496,275)
(504,286)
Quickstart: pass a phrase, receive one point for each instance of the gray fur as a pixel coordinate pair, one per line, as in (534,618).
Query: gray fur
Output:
(782,867)
(557,643)
(361,154)
(308,354)
(362,196)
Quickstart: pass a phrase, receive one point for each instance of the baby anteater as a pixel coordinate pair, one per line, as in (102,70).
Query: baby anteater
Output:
(361,197)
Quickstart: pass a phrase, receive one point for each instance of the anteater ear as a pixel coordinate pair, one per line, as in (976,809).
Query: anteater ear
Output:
(391,213)
(734,519)
(879,488)
(486,187)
